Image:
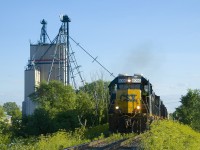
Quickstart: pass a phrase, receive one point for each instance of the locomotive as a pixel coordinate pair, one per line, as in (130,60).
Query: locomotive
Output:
(133,104)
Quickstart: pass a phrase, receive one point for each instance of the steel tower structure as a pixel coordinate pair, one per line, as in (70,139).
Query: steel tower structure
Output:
(61,52)
(65,33)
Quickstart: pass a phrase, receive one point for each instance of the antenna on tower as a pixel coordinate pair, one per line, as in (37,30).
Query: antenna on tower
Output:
(43,35)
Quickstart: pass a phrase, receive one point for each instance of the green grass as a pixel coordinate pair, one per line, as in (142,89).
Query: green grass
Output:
(63,139)
(170,135)
(56,141)
(60,139)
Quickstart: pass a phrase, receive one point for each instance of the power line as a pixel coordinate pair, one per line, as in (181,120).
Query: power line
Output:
(94,58)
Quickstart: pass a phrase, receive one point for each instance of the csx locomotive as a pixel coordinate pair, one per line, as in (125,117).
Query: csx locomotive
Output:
(133,104)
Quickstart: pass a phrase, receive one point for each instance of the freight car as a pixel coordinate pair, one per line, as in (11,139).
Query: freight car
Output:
(133,104)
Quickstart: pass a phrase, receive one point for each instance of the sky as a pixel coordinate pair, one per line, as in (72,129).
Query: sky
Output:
(159,39)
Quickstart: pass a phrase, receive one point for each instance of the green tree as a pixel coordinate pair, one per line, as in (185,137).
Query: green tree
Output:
(85,108)
(13,110)
(189,112)
(39,123)
(54,97)
(5,133)
(98,91)
(67,120)
(1,112)
(56,109)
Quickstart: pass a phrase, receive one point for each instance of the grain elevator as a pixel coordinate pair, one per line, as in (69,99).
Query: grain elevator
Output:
(48,61)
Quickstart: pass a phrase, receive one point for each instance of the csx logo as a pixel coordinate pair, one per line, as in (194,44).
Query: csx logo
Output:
(127,97)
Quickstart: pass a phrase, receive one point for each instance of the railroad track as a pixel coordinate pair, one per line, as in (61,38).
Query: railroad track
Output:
(123,144)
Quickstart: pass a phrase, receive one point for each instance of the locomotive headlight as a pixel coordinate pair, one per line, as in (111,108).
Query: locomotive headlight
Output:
(138,107)
(129,80)
(117,107)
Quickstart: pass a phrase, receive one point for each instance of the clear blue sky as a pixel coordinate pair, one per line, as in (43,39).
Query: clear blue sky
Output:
(160,39)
